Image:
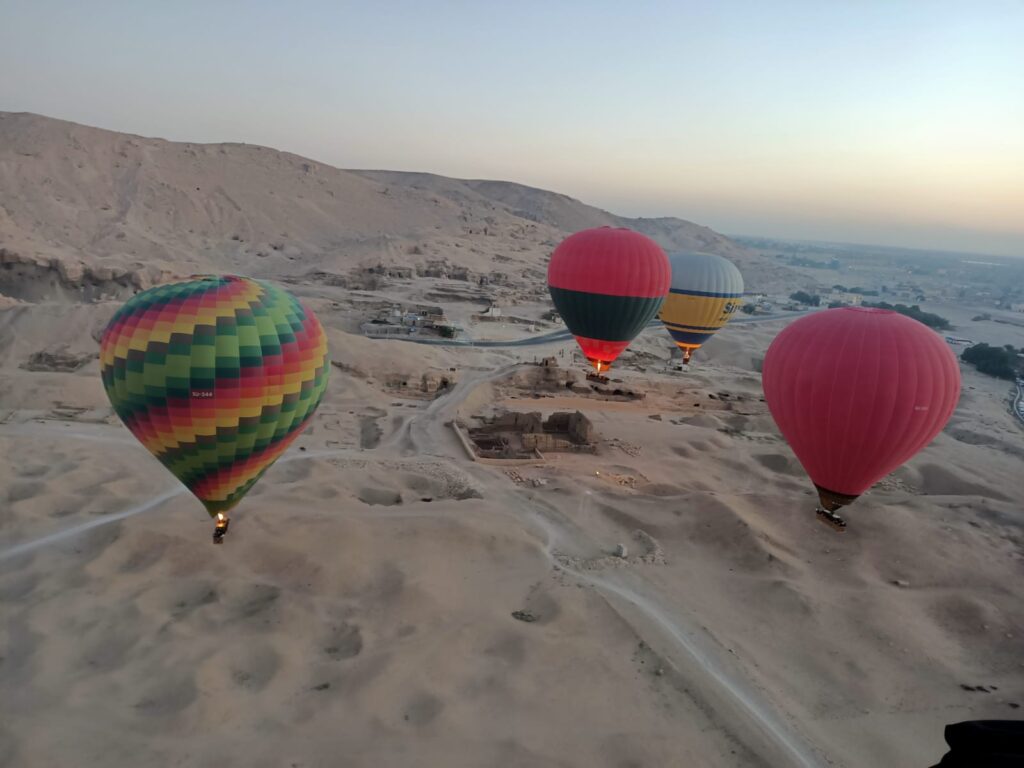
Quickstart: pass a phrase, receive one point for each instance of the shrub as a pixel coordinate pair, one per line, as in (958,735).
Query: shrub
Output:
(1001,362)
(928,318)
(806,298)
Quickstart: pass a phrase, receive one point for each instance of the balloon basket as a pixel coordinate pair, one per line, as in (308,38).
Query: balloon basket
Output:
(832,520)
(220,528)
(597,377)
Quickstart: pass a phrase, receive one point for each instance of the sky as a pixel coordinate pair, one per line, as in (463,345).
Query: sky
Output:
(898,123)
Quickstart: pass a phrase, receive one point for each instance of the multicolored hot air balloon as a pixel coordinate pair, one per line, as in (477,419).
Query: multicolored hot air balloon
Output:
(607,284)
(216,377)
(706,291)
(857,392)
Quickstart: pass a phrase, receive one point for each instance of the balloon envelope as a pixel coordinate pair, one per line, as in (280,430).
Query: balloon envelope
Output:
(856,392)
(706,290)
(216,376)
(607,284)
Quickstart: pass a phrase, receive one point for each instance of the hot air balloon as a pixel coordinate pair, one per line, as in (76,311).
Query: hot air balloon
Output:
(215,376)
(856,392)
(706,290)
(607,284)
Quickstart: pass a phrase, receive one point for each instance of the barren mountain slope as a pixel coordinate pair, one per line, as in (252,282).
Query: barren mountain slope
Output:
(567,214)
(86,205)
(563,212)
(75,191)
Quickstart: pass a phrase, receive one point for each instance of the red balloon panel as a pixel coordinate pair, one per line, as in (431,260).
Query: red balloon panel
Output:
(613,262)
(858,391)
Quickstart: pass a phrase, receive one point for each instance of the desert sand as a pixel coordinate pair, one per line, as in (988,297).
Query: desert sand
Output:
(361,611)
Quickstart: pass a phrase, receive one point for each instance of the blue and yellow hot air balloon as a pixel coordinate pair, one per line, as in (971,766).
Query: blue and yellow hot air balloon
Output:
(706,290)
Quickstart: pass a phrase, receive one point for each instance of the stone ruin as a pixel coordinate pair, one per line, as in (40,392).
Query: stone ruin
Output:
(562,432)
(515,435)
(390,270)
(548,376)
(36,278)
(429,385)
(494,278)
(60,360)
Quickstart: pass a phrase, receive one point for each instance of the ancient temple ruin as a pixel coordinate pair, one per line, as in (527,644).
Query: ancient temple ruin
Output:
(514,435)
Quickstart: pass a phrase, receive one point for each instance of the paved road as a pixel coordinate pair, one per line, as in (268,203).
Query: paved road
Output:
(562,334)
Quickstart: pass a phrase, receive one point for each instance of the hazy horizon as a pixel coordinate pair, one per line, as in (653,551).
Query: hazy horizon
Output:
(891,124)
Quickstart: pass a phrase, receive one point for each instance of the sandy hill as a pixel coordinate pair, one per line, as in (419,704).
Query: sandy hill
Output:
(95,206)
(563,212)
(79,192)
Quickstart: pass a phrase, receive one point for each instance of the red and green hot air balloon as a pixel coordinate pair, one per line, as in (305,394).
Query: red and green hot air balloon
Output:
(607,284)
(215,376)
(856,392)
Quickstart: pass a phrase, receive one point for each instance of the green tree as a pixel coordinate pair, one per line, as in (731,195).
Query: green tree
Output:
(806,298)
(1001,362)
(930,319)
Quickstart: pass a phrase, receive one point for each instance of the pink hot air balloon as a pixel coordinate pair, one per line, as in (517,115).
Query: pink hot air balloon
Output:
(857,392)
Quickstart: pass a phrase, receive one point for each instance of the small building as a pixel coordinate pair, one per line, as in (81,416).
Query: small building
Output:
(845,297)
(435,314)
(436,268)
(397,320)
(380,329)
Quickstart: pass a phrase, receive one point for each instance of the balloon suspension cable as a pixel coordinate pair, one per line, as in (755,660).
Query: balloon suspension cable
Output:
(220,528)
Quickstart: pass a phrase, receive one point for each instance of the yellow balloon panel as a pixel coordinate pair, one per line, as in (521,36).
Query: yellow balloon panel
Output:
(691,320)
